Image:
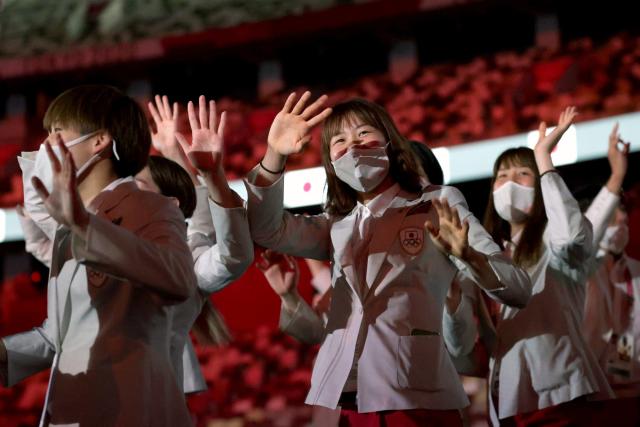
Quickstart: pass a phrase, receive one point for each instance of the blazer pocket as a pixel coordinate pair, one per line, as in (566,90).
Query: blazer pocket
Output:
(420,362)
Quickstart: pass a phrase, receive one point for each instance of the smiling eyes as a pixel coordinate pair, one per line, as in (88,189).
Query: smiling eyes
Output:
(523,172)
(361,134)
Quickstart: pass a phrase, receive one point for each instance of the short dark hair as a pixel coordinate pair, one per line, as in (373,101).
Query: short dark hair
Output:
(403,167)
(529,248)
(91,108)
(173,181)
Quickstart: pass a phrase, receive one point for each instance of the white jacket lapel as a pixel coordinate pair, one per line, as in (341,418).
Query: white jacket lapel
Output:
(383,239)
(341,235)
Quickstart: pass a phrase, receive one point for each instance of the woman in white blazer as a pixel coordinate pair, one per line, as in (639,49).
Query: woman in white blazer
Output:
(382,358)
(218,232)
(542,370)
(117,267)
(611,322)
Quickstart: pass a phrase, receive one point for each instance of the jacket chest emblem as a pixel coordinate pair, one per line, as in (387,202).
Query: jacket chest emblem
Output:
(412,240)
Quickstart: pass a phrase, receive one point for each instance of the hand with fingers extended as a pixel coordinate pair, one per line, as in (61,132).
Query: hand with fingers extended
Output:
(282,274)
(451,236)
(63,202)
(290,131)
(546,143)
(205,152)
(617,154)
(165,137)
(165,118)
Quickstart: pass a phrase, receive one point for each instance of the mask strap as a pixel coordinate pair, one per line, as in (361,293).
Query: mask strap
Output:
(115,151)
(82,170)
(80,139)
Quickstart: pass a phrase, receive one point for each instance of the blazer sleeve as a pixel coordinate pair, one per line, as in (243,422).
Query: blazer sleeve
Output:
(516,284)
(274,228)
(600,212)
(569,234)
(37,243)
(33,204)
(303,323)
(226,260)
(459,329)
(200,221)
(470,335)
(27,354)
(156,256)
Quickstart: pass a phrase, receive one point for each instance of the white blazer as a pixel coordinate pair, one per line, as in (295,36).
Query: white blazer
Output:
(607,307)
(404,363)
(108,324)
(37,243)
(597,321)
(215,265)
(33,205)
(540,357)
(222,250)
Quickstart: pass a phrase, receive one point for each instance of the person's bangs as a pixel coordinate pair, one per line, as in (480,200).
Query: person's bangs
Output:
(350,113)
(68,111)
(516,157)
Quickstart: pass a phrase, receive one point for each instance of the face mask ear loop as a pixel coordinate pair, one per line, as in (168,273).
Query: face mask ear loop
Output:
(115,151)
(80,139)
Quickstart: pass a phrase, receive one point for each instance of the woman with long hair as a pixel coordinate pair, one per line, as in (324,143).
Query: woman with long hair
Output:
(382,359)
(542,372)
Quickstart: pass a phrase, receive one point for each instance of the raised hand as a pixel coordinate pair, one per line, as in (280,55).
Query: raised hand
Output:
(207,137)
(281,272)
(617,154)
(546,143)
(63,203)
(452,235)
(290,131)
(166,121)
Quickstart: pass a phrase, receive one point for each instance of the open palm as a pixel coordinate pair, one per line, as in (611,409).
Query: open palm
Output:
(205,152)
(290,131)
(452,235)
(166,120)
(546,143)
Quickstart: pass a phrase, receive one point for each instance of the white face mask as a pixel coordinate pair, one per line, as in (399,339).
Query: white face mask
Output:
(363,169)
(42,165)
(513,201)
(615,238)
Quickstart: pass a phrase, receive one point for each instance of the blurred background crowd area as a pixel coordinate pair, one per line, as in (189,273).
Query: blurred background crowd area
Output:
(450,75)
(450,72)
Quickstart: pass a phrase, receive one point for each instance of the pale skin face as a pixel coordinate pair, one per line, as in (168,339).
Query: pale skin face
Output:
(522,175)
(80,152)
(355,133)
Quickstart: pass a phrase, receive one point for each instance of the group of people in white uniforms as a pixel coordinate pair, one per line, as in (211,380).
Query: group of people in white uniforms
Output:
(129,278)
